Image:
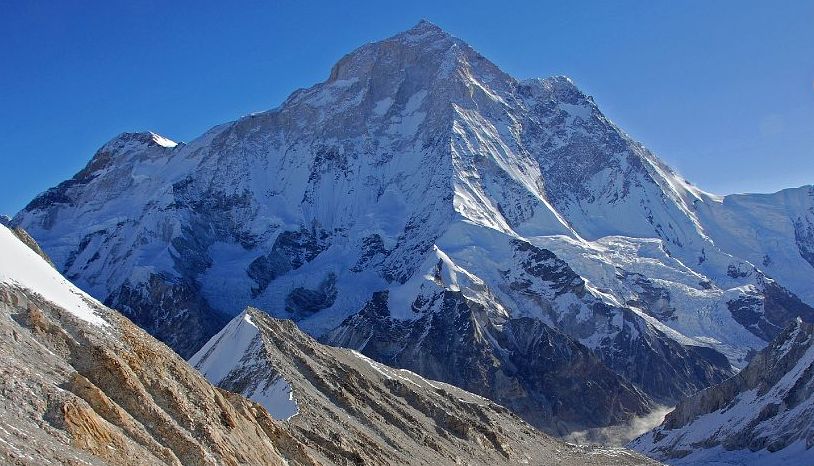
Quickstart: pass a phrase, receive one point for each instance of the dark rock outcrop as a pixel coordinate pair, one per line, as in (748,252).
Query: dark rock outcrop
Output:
(165,304)
(552,381)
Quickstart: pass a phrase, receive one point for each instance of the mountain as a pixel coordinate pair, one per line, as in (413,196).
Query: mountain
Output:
(391,416)
(427,209)
(763,415)
(83,385)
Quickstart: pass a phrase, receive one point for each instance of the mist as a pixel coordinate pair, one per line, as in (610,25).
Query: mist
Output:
(620,435)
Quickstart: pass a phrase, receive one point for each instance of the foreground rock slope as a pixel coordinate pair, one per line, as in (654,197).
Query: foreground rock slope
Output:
(81,384)
(764,415)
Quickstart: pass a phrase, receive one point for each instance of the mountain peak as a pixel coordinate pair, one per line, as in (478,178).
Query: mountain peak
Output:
(125,146)
(128,140)
(427,36)
(425,27)
(424,42)
(759,411)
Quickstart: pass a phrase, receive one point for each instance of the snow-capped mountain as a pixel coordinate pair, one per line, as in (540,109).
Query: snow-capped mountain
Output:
(83,385)
(763,415)
(420,196)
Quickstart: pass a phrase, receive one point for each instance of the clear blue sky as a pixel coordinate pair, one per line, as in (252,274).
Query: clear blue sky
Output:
(723,91)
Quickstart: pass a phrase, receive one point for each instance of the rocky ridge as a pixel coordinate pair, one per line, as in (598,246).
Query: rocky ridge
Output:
(82,385)
(370,413)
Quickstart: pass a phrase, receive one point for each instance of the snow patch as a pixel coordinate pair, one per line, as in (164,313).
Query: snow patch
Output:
(22,267)
(224,352)
(162,141)
(278,399)
(382,106)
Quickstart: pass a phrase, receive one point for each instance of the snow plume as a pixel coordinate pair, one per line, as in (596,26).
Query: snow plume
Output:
(619,435)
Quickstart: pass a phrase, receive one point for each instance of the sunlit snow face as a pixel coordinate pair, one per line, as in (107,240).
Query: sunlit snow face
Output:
(21,267)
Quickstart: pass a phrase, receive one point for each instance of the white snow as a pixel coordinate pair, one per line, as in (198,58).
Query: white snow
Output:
(277,397)
(22,267)
(162,141)
(224,352)
(414,102)
(741,415)
(237,347)
(382,106)
(793,455)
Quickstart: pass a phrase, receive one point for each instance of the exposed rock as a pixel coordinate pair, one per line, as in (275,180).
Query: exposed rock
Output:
(290,251)
(804,232)
(552,381)
(303,302)
(767,312)
(632,346)
(369,413)
(165,304)
(72,392)
(23,236)
(81,384)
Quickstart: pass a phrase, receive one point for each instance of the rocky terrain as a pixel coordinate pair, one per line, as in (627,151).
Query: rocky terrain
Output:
(763,415)
(553,381)
(431,211)
(370,413)
(81,384)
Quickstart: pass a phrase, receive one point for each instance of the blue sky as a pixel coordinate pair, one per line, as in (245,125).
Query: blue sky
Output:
(723,91)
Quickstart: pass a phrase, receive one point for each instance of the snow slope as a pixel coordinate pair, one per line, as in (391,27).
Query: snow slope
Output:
(21,267)
(238,348)
(764,415)
(77,392)
(391,416)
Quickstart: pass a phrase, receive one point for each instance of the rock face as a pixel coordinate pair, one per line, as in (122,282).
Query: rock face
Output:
(763,415)
(83,385)
(421,172)
(553,381)
(157,299)
(369,413)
